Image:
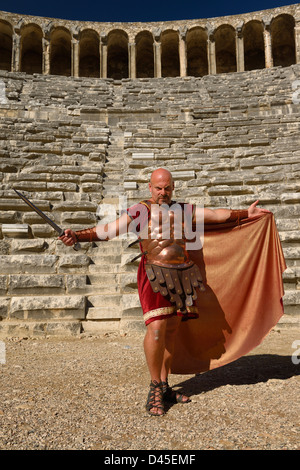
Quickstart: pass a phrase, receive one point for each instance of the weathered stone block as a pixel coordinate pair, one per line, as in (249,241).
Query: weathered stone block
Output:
(108,301)
(91,187)
(62,186)
(290,198)
(73,263)
(15,230)
(43,231)
(48,307)
(25,246)
(8,217)
(17,328)
(128,281)
(76,284)
(3,284)
(100,326)
(30,284)
(103,313)
(4,307)
(75,206)
(130,185)
(183,175)
(130,302)
(80,217)
(17,264)
(143,156)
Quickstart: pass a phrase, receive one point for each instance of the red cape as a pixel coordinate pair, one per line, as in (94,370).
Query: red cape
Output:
(242,269)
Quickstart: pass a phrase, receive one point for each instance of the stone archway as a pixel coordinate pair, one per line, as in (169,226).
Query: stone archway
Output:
(60,52)
(170,64)
(117,55)
(225,49)
(283,40)
(89,54)
(196,47)
(31,57)
(254,49)
(5,45)
(144,55)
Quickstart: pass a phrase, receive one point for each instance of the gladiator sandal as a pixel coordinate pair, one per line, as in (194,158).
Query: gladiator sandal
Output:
(172,396)
(155,399)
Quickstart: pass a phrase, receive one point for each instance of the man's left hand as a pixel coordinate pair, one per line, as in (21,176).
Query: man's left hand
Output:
(254,211)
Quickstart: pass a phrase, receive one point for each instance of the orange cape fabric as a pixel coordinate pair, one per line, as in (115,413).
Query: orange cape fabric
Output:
(242,269)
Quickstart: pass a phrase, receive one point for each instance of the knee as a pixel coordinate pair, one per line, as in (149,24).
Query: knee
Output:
(157,330)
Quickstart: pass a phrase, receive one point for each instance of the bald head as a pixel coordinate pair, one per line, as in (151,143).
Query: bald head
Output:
(161,173)
(161,186)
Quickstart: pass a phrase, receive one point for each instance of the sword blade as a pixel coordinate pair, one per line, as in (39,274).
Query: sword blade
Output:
(58,229)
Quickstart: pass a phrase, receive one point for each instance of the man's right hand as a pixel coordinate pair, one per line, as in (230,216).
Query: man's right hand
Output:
(68,238)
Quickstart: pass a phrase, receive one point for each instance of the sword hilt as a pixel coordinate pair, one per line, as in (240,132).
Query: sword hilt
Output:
(76,246)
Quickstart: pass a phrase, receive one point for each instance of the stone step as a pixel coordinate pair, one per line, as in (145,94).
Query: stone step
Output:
(104,268)
(105,300)
(108,280)
(42,328)
(50,307)
(105,259)
(104,313)
(104,289)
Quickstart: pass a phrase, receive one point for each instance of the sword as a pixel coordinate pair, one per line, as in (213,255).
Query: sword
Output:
(58,229)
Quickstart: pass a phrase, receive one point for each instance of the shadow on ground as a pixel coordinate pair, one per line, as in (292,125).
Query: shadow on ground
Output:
(247,370)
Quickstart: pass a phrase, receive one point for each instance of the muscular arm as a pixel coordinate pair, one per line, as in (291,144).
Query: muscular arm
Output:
(219,216)
(216,216)
(102,232)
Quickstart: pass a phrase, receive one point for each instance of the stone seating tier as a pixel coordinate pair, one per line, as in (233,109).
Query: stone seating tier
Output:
(74,145)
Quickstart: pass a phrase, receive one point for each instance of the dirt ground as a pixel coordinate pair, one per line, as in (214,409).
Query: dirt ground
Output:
(89,393)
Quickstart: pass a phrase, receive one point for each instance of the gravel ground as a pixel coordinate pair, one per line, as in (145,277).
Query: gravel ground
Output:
(89,393)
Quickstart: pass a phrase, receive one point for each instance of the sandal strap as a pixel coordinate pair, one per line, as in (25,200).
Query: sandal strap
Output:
(155,396)
(170,395)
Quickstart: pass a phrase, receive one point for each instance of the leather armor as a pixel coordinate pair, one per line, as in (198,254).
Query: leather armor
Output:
(168,267)
(165,240)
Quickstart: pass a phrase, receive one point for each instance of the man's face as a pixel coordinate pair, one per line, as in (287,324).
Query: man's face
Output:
(161,189)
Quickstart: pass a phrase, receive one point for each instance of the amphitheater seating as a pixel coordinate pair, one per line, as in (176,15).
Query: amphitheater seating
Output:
(75,145)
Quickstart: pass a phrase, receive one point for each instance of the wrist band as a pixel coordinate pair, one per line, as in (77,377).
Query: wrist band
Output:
(238,215)
(87,235)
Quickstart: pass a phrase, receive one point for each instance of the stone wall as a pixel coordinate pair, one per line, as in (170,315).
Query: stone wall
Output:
(73,145)
(196,47)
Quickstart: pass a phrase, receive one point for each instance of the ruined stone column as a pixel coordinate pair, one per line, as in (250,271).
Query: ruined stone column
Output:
(211,54)
(240,62)
(297,43)
(132,59)
(268,44)
(15,57)
(157,59)
(182,53)
(46,56)
(75,57)
(103,56)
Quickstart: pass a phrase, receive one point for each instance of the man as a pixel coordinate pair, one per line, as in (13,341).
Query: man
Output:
(161,329)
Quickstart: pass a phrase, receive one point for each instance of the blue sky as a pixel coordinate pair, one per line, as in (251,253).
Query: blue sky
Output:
(138,10)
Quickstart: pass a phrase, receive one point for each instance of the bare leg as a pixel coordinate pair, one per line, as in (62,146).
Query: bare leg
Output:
(159,347)
(170,335)
(154,346)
